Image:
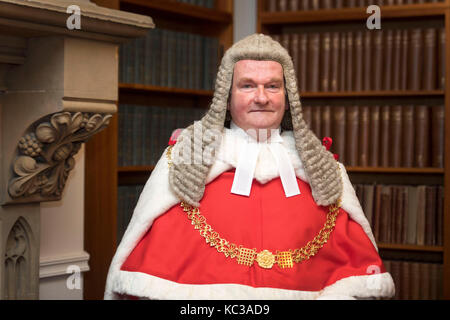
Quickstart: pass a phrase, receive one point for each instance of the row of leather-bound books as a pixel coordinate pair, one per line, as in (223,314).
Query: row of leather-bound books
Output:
(368,60)
(144,131)
(303,5)
(416,280)
(170,59)
(201,3)
(381,136)
(404,214)
(127,197)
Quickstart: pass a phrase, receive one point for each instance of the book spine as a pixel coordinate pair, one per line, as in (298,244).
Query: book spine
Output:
(377,60)
(334,72)
(367,60)
(387,64)
(396,62)
(416,57)
(358,82)
(317,121)
(429,60)
(384,136)
(374,147)
(303,72)
(326,121)
(294,50)
(437,135)
(408,130)
(325,62)
(350,63)
(342,62)
(352,135)
(396,135)
(364,140)
(422,135)
(441,61)
(313,60)
(339,126)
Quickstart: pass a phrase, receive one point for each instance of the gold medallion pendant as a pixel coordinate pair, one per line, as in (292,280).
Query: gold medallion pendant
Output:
(265,259)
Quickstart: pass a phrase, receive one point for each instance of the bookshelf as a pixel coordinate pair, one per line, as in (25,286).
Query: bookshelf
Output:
(280,18)
(104,176)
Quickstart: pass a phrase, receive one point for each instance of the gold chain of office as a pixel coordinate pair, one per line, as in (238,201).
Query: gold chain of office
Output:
(264,258)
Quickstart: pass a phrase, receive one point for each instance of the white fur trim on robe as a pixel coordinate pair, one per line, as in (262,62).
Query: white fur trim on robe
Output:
(157,197)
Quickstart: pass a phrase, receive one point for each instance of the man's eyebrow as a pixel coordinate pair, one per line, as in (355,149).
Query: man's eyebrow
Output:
(251,80)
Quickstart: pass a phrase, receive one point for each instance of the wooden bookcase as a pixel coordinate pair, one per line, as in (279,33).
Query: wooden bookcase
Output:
(280,22)
(103,175)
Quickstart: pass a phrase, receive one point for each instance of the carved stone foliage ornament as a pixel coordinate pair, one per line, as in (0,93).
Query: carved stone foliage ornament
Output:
(45,153)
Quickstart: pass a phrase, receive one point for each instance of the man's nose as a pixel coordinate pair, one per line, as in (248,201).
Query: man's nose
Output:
(261,96)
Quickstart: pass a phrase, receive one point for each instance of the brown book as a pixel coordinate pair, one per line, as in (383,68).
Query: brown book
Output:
(358,81)
(377,60)
(396,268)
(377,212)
(272,5)
(326,121)
(338,4)
(424,269)
(434,279)
(416,59)
(325,52)
(368,207)
(349,86)
(394,217)
(396,60)
(342,61)
(307,115)
(429,78)
(386,213)
(430,219)
(367,49)
(440,216)
(313,62)
(437,136)
(316,121)
(405,214)
(334,71)
(352,135)
(421,215)
(441,59)
(314,4)
(282,5)
(405,277)
(401,214)
(395,135)
(388,55)
(326,4)
(404,72)
(303,62)
(294,51)
(339,138)
(374,134)
(285,41)
(408,129)
(415,281)
(364,141)
(384,136)
(411,215)
(304,5)
(422,126)
(293,5)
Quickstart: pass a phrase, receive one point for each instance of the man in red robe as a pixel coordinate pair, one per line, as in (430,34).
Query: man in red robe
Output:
(253,211)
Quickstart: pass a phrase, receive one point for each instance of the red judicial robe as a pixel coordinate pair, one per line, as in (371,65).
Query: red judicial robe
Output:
(171,260)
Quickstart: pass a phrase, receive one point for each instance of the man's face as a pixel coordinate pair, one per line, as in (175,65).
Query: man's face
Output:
(257,96)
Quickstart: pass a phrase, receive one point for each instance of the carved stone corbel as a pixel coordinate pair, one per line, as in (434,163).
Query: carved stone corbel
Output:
(45,154)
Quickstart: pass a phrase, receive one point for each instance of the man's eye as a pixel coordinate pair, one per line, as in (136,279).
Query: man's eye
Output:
(247,86)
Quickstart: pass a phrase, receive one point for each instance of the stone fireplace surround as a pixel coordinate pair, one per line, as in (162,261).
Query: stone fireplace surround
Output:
(58,87)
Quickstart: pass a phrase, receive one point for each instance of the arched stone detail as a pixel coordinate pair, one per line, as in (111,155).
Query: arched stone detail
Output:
(19,261)
(45,154)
